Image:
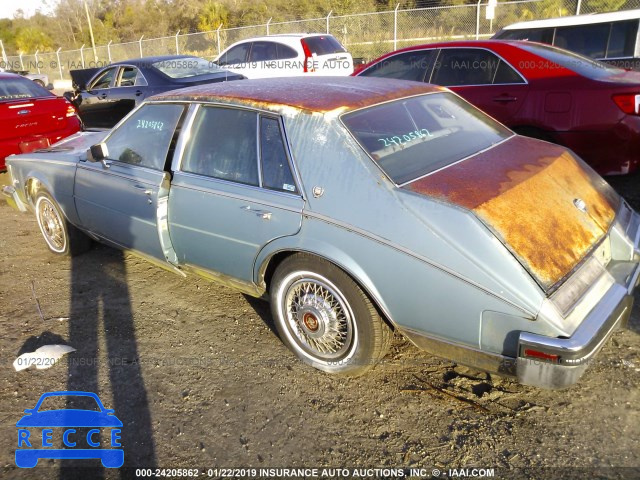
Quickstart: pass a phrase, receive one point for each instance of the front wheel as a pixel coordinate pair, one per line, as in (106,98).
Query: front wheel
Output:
(61,237)
(325,318)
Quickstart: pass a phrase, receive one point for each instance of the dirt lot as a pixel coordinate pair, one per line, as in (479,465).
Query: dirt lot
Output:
(200,380)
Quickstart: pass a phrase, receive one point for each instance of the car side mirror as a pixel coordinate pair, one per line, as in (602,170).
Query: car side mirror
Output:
(97,153)
(50,86)
(29,410)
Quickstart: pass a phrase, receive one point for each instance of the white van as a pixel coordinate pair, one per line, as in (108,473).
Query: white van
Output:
(287,55)
(610,37)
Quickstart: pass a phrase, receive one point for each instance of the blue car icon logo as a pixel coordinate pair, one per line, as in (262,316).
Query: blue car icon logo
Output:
(82,433)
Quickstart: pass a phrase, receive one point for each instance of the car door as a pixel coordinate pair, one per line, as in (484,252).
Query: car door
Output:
(118,199)
(483,79)
(233,193)
(128,90)
(95,107)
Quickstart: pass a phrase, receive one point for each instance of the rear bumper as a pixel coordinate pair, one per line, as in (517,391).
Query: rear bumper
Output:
(559,362)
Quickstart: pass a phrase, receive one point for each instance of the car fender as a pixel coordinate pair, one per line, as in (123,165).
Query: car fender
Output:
(323,249)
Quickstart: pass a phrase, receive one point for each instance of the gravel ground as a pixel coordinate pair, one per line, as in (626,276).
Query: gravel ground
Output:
(200,380)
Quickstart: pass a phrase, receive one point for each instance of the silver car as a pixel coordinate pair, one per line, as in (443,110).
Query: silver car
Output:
(358,207)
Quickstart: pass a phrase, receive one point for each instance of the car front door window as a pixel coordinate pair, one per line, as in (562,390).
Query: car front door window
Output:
(414,65)
(104,80)
(145,137)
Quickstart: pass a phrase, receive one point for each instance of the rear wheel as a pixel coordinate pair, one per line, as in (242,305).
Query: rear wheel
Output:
(325,318)
(61,237)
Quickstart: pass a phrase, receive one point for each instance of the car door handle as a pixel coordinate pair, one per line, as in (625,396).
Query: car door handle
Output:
(102,96)
(147,191)
(505,99)
(138,93)
(265,215)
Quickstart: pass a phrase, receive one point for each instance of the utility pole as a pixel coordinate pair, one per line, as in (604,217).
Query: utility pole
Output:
(93,43)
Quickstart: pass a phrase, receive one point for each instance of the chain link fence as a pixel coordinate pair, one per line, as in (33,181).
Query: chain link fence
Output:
(365,35)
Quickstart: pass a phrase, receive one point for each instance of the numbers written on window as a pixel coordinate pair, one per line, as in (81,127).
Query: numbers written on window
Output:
(144,138)
(226,144)
(405,138)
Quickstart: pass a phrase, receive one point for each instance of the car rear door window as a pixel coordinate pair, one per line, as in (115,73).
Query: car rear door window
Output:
(237,54)
(105,79)
(506,74)
(622,40)
(415,65)
(589,40)
(285,52)
(127,77)
(276,170)
(465,66)
(223,145)
(263,51)
(145,137)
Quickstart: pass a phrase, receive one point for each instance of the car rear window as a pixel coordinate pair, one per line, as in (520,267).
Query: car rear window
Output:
(186,67)
(323,45)
(579,64)
(412,137)
(17,88)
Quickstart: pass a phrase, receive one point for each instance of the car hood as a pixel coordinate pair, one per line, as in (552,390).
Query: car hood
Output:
(544,204)
(69,418)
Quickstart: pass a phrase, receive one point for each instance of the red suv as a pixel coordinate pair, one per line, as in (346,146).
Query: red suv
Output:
(537,90)
(31,117)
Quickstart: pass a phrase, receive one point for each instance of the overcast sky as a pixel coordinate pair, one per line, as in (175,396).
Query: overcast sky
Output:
(9,7)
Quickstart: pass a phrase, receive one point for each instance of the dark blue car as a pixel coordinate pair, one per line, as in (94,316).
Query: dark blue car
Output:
(103,96)
(66,421)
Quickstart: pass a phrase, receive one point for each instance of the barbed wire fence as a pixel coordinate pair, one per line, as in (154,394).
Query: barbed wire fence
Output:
(365,35)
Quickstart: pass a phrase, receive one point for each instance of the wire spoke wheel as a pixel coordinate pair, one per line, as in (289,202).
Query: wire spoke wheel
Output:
(319,317)
(325,318)
(51,224)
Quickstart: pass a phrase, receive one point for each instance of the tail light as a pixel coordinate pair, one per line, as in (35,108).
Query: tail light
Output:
(629,103)
(307,55)
(71,110)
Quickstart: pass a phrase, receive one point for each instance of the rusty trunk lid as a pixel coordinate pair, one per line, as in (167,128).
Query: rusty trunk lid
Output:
(545,205)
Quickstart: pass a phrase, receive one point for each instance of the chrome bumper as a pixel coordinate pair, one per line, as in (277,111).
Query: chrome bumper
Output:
(559,362)
(13,199)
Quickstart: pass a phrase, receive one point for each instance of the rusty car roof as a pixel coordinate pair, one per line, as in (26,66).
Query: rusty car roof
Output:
(314,94)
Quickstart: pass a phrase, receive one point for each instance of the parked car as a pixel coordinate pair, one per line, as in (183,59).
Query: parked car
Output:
(612,38)
(288,55)
(31,117)
(39,78)
(103,96)
(358,206)
(537,90)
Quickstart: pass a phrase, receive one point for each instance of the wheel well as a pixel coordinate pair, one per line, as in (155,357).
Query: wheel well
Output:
(32,187)
(279,257)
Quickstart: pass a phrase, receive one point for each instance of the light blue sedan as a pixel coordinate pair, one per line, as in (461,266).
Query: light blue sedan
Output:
(359,207)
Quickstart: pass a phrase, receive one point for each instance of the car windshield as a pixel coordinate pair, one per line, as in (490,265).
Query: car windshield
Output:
(579,64)
(412,137)
(17,88)
(63,402)
(187,67)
